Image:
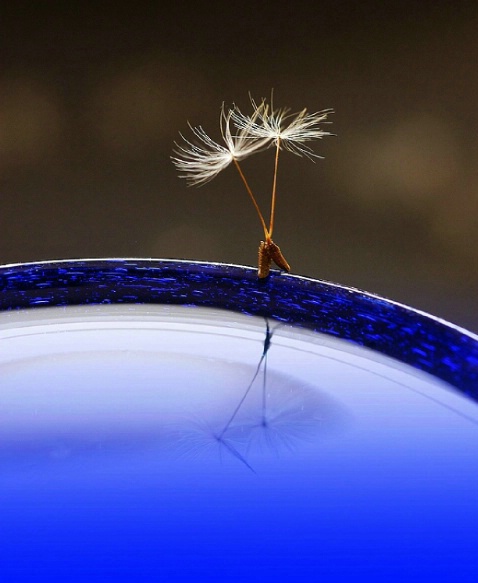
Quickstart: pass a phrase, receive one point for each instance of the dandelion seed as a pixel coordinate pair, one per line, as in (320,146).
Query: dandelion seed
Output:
(291,131)
(200,162)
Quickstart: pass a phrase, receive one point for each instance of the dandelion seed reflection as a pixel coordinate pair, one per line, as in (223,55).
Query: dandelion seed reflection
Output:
(270,415)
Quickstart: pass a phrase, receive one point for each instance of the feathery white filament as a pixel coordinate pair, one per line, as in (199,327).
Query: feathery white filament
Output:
(200,162)
(290,131)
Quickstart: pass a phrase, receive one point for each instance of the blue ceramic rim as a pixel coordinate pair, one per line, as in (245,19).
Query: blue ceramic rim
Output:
(408,335)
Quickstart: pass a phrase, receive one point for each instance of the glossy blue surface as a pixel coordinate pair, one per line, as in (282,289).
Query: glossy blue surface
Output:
(409,336)
(351,484)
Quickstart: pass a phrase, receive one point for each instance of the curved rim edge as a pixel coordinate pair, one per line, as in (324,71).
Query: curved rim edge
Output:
(412,336)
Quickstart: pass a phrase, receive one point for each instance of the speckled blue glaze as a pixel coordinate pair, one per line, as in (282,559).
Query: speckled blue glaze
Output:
(412,337)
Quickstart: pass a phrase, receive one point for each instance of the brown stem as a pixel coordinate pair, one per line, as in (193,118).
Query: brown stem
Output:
(274,189)
(254,202)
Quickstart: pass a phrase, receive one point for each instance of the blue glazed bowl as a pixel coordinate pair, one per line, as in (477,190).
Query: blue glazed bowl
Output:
(410,336)
(170,420)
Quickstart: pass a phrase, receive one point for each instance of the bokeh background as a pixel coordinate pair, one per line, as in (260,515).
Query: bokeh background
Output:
(93,95)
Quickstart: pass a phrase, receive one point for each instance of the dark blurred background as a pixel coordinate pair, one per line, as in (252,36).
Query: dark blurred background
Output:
(93,96)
